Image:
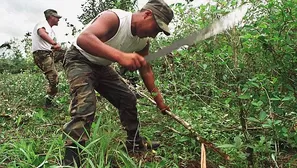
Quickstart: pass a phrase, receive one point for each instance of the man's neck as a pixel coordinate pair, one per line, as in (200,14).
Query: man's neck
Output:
(50,23)
(133,24)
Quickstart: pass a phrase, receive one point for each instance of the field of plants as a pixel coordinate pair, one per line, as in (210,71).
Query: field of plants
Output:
(236,90)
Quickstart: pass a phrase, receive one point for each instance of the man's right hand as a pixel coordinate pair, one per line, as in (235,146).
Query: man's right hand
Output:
(132,61)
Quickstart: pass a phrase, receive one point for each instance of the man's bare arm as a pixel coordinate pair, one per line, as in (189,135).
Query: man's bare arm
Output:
(148,78)
(102,29)
(44,35)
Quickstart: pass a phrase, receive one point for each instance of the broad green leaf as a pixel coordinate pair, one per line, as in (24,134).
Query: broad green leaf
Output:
(267,125)
(288,98)
(252,119)
(257,103)
(204,66)
(238,141)
(262,115)
(255,84)
(275,98)
(276,122)
(245,96)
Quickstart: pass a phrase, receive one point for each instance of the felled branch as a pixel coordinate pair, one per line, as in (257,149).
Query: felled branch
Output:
(189,127)
(184,123)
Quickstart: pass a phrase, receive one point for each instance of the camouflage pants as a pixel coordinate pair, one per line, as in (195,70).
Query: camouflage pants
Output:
(45,61)
(85,78)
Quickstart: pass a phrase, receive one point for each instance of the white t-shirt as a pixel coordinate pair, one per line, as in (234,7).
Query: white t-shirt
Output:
(37,42)
(123,40)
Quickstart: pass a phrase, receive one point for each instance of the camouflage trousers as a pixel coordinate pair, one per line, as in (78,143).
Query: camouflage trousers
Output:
(45,60)
(85,78)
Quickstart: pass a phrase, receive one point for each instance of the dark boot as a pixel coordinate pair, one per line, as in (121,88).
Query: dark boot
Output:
(141,144)
(49,103)
(72,155)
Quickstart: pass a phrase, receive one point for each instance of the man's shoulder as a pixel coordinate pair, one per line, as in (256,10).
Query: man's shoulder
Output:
(120,12)
(42,24)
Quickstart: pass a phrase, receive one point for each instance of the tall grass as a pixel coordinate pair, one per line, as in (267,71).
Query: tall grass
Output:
(31,135)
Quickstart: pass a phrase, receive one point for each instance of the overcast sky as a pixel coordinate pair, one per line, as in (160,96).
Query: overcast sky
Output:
(20,16)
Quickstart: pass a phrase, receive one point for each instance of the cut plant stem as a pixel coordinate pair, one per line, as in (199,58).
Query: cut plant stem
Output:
(189,127)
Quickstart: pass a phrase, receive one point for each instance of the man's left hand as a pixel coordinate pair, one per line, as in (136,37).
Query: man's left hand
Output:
(163,108)
(56,47)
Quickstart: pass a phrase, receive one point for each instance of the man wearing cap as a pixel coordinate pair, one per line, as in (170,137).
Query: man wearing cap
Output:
(112,36)
(46,51)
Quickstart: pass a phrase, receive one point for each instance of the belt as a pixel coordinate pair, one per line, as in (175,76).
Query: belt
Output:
(41,51)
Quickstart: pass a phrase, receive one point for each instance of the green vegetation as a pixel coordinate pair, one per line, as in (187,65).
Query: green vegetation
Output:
(237,90)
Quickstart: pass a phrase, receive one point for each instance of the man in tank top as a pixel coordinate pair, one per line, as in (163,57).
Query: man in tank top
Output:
(46,51)
(113,36)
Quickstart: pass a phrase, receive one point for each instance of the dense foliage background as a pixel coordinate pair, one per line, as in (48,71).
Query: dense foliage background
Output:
(237,90)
